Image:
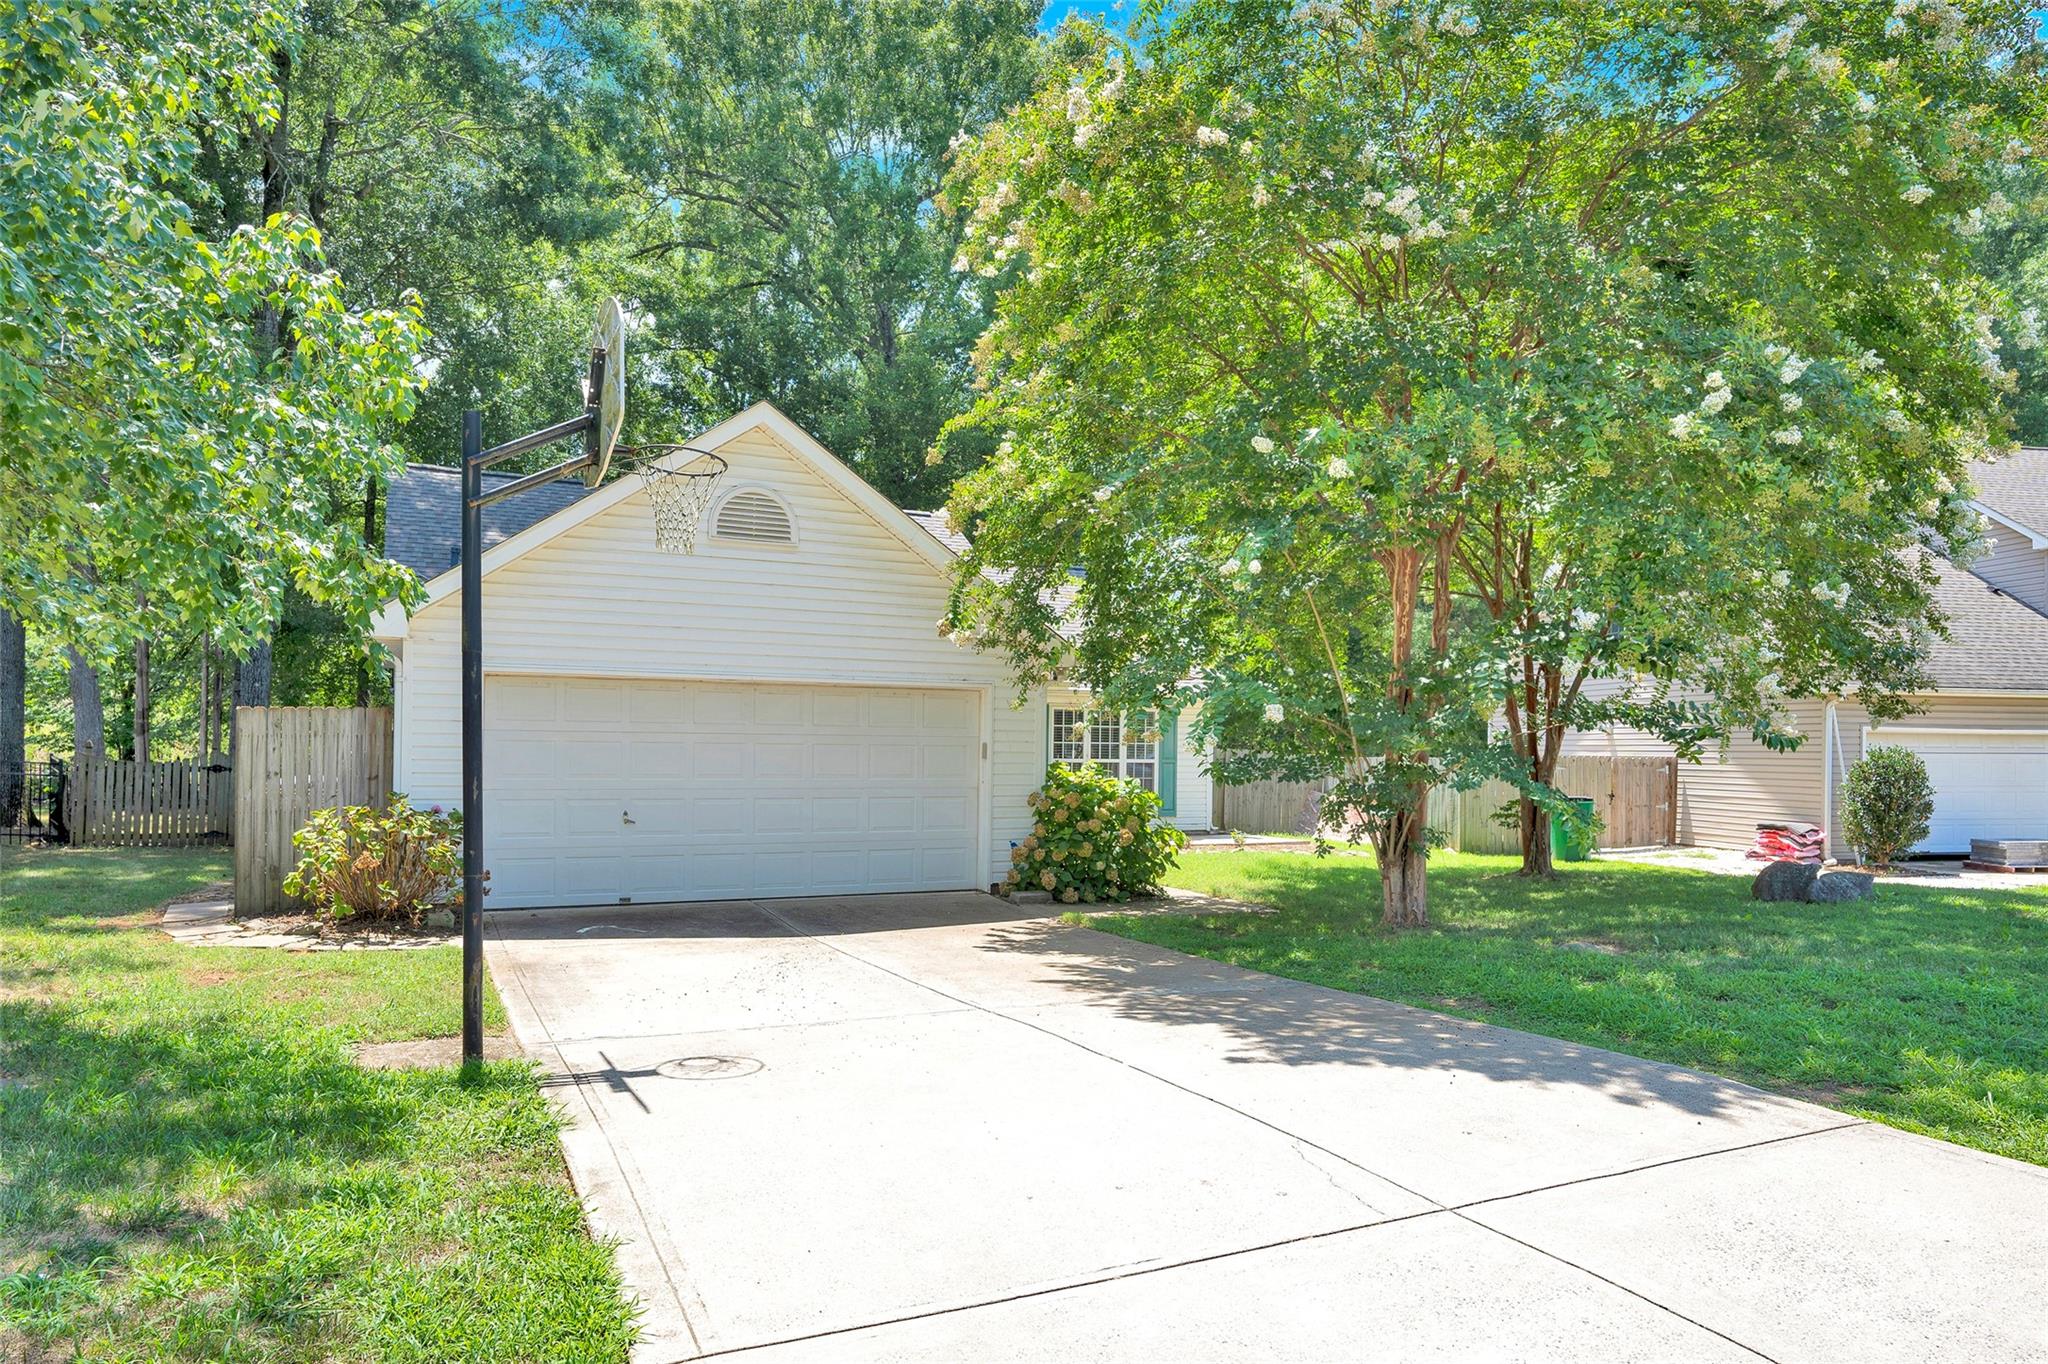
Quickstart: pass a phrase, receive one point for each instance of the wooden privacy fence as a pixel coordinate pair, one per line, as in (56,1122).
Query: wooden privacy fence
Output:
(1635,798)
(117,803)
(289,762)
(1269,807)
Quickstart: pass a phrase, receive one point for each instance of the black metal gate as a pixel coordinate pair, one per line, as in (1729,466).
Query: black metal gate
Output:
(32,801)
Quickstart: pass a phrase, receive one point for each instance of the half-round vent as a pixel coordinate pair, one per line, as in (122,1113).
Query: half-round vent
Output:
(754,516)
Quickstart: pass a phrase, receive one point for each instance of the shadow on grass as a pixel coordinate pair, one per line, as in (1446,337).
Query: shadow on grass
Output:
(119,1129)
(1922,1007)
(1273,1020)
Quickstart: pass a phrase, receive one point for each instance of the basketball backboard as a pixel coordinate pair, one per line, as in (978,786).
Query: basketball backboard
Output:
(610,335)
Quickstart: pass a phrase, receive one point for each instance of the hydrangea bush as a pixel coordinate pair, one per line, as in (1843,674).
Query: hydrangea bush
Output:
(366,862)
(1096,838)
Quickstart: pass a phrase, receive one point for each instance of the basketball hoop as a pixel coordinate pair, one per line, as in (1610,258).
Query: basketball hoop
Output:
(679,480)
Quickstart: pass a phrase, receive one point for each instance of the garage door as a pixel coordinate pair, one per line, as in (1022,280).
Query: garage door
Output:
(1986,785)
(603,792)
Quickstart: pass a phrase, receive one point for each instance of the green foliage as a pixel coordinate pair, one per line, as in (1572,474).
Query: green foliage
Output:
(362,862)
(782,159)
(1394,375)
(2014,252)
(172,401)
(1887,800)
(1921,1008)
(440,150)
(1095,838)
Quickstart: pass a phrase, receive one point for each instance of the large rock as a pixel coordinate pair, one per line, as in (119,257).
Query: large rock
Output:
(1784,881)
(1839,886)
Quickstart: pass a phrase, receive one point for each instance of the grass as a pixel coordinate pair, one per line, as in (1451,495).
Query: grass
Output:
(1926,1009)
(195,1169)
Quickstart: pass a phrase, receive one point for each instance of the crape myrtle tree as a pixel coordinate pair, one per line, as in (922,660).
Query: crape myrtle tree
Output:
(152,449)
(1750,549)
(1365,360)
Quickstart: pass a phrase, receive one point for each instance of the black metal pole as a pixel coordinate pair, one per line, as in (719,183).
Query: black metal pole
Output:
(472,738)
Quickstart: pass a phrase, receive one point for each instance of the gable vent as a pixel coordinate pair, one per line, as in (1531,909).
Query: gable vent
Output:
(754,516)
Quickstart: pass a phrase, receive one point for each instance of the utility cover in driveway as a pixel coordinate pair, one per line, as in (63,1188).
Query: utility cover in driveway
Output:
(979,1135)
(600,791)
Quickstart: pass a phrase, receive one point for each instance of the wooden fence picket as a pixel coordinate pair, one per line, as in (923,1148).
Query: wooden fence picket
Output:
(290,762)
(1636,800)
(117,803)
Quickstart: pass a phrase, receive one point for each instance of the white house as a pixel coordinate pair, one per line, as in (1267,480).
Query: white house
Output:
(775,714)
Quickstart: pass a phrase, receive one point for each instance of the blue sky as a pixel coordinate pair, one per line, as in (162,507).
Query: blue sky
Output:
(1118,12)
(1114,12)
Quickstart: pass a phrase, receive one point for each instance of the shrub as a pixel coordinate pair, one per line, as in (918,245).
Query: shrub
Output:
(1886,803)
(363,862)
(1095,839)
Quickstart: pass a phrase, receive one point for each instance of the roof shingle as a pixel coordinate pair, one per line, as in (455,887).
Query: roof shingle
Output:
(423,514)
(1996,643)
(2016,486)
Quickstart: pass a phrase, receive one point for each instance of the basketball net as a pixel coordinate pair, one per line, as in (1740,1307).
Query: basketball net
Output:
(678,495)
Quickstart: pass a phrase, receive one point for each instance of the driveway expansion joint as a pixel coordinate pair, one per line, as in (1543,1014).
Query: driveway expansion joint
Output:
(1302,1145)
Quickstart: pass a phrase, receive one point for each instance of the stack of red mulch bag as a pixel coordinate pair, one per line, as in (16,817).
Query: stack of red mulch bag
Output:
(1788,841)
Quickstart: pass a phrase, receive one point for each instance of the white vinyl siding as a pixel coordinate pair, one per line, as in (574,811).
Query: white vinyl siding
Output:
(1721,799)
(2015,567)
(851,604)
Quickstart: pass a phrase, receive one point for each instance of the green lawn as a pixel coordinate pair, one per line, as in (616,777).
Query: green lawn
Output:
(194,1169)
(1926,1008)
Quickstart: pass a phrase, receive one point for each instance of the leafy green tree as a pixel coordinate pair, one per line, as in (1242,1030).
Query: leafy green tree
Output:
(2015,254)
(439,150)
(1311,308)
(782,158)
(153,444)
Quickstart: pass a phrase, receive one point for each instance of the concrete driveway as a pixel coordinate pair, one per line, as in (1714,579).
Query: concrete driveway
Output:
(938,1127)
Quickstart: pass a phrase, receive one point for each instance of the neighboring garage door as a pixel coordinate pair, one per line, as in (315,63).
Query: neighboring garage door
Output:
(1987,784)
(604,792)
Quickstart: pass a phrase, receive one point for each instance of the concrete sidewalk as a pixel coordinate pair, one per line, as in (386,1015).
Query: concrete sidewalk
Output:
(936,1128)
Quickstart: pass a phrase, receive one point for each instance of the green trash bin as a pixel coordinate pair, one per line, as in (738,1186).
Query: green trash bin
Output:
(1569,843)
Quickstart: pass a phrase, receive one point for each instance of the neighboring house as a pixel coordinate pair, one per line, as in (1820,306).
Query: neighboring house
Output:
(1983,730)
(775,714)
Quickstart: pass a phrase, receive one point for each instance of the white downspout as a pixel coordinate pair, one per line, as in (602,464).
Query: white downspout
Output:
(1828,742)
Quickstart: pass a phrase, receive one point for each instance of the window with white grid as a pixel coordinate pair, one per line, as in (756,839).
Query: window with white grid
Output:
(1124,748)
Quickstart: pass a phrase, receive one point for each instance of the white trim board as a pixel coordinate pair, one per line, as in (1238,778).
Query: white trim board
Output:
(2035,538)
(1992,730)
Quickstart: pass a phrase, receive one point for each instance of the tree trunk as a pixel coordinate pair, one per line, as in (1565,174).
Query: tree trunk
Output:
(277,143)
(1536,850)
(88,715)
(1404,867)
(13,716)
(363,678)
(252,686)
(1404,885)
(206,707)
(142,698)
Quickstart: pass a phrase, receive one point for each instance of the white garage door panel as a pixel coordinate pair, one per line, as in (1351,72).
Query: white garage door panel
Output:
(1986,785)
(598,792)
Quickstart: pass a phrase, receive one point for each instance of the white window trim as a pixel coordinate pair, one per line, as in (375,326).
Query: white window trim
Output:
(717,508)
(1119,766)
